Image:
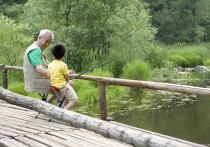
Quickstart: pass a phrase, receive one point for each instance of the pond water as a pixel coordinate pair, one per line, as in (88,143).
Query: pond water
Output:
(190,121)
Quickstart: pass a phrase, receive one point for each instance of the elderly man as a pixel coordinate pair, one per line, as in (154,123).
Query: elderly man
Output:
(35,64)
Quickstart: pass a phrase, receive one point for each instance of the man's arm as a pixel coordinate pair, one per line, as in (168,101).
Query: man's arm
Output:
(41,70)
(35,59)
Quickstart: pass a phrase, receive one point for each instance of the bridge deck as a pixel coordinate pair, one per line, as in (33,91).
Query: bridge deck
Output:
(20,128)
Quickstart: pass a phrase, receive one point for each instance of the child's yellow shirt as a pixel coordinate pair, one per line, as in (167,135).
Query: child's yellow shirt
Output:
(57,69)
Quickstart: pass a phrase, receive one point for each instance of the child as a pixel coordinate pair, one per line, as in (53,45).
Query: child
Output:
(58,74)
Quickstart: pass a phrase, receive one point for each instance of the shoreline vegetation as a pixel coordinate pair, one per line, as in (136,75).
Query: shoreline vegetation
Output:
(119,97)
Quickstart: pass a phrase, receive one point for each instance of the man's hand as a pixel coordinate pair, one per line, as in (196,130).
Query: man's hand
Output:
(41,70)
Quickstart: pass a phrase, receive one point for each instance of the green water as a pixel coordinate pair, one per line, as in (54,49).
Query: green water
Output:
(178,115)
(189,121)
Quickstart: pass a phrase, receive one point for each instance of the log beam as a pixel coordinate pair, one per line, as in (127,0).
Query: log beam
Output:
(102,100)
(149,85)
(132,136)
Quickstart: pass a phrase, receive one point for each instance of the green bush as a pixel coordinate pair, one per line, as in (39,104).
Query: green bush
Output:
(207,62)
(178,60)
(87,91)
(166,73)
(156,57)
(137,70)
(117,67)
(193,54)
(187,59)
(193,59)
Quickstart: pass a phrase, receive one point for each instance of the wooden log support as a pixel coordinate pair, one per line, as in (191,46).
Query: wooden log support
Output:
(102,100)
(5,78)
(134,83)
(136,137)
(5,73)
(149,85)
(16,68)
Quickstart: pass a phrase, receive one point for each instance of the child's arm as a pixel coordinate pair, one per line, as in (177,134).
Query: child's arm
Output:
(69,82)
(66,78)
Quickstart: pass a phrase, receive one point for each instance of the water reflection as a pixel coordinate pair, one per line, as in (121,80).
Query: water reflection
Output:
(190,121)
(186,122)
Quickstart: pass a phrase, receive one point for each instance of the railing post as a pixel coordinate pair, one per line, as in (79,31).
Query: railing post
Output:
(102,97)
(5,79)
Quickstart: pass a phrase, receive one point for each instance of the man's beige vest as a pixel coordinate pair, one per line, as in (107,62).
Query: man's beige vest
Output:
(35,82)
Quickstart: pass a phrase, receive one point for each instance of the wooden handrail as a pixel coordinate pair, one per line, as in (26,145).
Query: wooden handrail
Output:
(103,81)
(148,85)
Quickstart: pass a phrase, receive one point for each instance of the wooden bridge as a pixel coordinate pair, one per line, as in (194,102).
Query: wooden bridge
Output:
(19,127)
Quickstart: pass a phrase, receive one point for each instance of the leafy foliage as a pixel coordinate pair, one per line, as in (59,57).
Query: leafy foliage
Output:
(182,57)
(166,73)
(137,70)
(88,92)
(14,40)
(92,28)
(180,20)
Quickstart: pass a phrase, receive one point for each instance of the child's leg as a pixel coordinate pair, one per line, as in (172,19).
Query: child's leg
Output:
(71,98)
(51,98)
(70,105)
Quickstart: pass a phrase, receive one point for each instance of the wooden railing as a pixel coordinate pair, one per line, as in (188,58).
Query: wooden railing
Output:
(103,81)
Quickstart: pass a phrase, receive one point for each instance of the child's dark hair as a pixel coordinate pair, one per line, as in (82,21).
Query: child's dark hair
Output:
(58,51)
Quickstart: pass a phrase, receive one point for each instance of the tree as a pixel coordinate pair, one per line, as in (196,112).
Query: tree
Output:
(14,40)
(12,8)
(89,27)
(180,20)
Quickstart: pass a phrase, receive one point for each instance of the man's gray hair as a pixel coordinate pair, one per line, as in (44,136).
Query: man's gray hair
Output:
(45,32)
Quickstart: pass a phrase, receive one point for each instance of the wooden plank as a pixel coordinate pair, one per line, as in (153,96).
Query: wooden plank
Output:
(8,134)
(11,143)
(96,138)
(30,142)
(16,115)
(7,105)
(16,112)
(24,117)
(11,124)
(21,127)
(83,139)
(6,143)
(46,126)
(37,123)
(60,140)
(6,129)
(75,140)
(45,141)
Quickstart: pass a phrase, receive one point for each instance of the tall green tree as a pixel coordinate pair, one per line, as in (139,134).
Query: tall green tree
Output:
(92,28)
(12,8)
(14,39)
(180,20)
